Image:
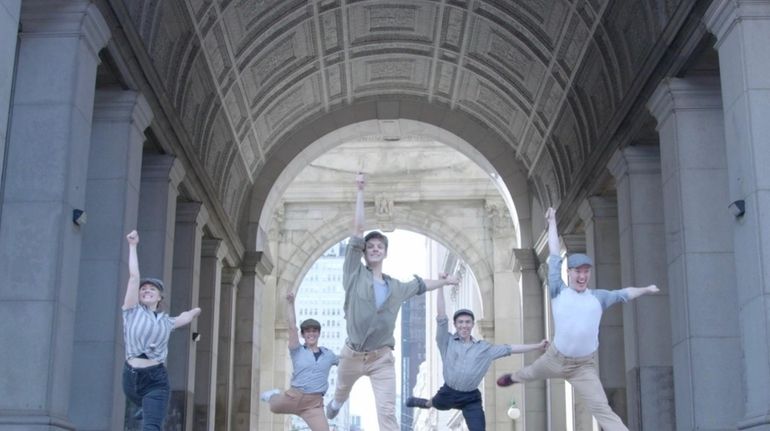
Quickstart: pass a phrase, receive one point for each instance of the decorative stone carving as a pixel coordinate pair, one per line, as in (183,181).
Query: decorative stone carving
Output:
(498,218)
(276,232)
(383,209)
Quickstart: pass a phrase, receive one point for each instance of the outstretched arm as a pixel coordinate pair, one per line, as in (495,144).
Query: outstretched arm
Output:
(358,219)
(451,280)
(291,321)
(553,233)
(635,292)
(186,317)
(524,348)
(132,290)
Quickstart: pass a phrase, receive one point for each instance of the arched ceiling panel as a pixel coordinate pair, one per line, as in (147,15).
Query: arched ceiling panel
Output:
(243,75)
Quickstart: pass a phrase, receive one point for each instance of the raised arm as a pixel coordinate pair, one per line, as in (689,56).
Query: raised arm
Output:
(186,317)
(440,302)
(635,292)
(291,321)
(358,218)
(553,233)
(451,280)
(132,290)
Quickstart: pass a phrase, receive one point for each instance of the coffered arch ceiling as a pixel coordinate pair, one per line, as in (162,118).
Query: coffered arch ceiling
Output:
(548,77)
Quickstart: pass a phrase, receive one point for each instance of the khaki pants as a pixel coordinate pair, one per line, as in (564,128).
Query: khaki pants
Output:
(583,375)
(310,407)
(379,366)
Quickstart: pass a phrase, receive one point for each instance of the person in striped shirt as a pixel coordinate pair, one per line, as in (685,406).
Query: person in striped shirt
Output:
(146,330)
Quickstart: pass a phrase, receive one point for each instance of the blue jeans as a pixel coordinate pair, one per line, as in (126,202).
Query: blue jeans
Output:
(468,402)
(149,389)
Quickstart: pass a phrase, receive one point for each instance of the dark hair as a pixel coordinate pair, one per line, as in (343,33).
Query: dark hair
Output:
(377,235)
(309,324)
(463,312)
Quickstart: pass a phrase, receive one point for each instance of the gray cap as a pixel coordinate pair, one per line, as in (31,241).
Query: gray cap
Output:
(463,312)
(154,281)
(578,259)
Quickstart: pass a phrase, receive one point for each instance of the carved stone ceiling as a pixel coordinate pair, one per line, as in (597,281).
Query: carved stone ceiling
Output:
(546,75)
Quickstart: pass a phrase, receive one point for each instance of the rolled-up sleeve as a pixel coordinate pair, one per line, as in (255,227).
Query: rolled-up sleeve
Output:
(497,351)
(411,288)
(555,282)
(442,334)
(352,265)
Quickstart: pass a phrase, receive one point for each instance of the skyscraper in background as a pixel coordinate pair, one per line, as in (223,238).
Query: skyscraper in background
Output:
(412,350)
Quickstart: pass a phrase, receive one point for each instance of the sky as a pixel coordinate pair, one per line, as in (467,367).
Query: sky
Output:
(407,255)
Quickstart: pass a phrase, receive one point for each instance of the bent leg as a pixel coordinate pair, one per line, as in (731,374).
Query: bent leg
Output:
(587,385)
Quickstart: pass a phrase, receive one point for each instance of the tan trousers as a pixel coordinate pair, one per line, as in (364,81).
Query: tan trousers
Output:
(310,407)
(379,366)
(582,373)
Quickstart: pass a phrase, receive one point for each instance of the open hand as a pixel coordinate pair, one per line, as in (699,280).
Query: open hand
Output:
(133,238)
(652,289)
(452,280)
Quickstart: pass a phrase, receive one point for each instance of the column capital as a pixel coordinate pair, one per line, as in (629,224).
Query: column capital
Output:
(192,212)
(122,106)
(598,207)
(701,93)
(163,167)
(256,263)
(524,259)
(231,276)
(722,16)
(575,242)
(634,160)
(58,19)
(213,247)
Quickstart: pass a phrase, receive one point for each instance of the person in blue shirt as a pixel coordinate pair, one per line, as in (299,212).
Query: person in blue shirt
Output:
(309,379)
(577,312)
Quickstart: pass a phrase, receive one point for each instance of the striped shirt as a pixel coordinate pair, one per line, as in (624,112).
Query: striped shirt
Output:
(311,374)
(465,363)
(145,332)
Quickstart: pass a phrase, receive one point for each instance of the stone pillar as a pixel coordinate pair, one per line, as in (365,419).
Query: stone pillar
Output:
(270,352)
(188,236)
(533,401)
(112,199)
(646,320)
(161,176)
(255,268)
(212,253)
(224,402)
(9,28)
(600,221)
(699,245)
(47,159)
(742,29)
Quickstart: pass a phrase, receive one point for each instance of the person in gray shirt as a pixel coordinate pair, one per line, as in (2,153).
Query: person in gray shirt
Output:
(466,361)
(372,302)
(310,378)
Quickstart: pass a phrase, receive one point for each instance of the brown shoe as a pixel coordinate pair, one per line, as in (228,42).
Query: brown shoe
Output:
(505,380)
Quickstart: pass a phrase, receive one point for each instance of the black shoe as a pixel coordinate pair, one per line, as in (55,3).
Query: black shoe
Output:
(421,403)
(505,380)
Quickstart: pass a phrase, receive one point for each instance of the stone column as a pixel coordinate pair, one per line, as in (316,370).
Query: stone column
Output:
(533,401)
(188,236)
(699,245)
(270,351)
(600,221)
(229,292)
(212,253)
(742,29)
(161,176)
(646,320)
(112,199)
(255,268)
(9,28)
(47,159)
